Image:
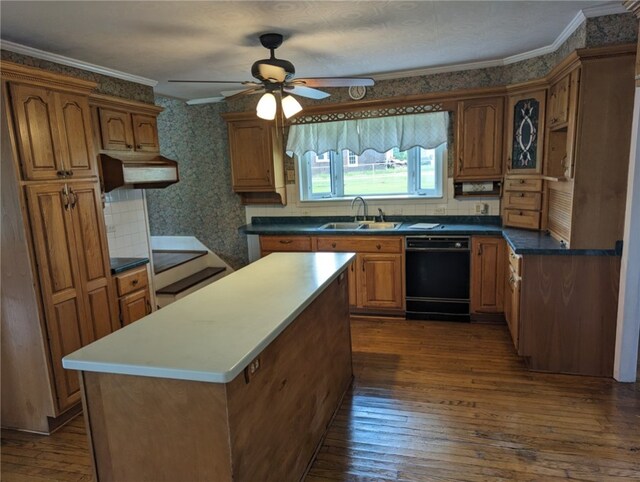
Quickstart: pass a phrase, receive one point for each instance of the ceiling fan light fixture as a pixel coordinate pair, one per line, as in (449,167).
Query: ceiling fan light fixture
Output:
(290,106)
(266,108)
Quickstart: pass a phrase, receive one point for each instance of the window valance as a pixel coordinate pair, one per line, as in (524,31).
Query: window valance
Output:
(380,134)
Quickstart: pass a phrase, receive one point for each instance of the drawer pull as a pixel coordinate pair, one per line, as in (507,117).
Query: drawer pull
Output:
(378,246)
(521,194)
(135,282)
(286,241)
(333,245)
(522,181)
(521,213)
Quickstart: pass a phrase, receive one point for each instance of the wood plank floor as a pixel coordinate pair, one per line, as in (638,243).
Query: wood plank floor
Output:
(432,401)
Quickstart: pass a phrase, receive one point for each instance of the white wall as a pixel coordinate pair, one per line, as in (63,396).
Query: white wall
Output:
(409,207)
(628,332)
(126,219)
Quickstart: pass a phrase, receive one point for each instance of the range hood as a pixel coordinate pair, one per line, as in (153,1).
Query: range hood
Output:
(151,173)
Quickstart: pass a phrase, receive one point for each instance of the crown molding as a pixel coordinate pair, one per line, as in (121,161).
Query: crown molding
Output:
(78,64)
(612,8)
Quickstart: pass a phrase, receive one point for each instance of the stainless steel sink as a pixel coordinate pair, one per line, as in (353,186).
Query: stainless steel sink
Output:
(361,225)
(379,225)
(344,225)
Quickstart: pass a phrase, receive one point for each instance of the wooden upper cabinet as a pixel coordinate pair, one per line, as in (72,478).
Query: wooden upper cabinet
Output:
(525,132)
(250,145)
(116,131)
(145,133)
(257,159)
(60,282)
(479,138)
(559,95)
(124,125)
(487,274)
(53,133)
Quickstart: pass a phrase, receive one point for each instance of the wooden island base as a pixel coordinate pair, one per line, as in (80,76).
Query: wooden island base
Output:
(264,427)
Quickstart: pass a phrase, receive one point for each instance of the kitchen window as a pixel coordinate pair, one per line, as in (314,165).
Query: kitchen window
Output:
(397,156)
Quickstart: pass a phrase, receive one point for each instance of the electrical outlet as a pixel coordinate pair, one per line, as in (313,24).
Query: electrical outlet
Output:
(441,211)
(291,175)
(251,370)
(482,208)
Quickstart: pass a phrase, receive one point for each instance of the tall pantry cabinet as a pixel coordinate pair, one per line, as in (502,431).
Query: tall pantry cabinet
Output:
(57,293)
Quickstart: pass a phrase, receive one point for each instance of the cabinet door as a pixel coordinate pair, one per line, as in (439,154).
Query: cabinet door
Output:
(250,148)
(76,136)
(60,282)
(487,274)
(116,131)
(525,124)
(37,130)
(559,101)
(479,138)
(145,133)
(93,257)
(380,281)
(135,306)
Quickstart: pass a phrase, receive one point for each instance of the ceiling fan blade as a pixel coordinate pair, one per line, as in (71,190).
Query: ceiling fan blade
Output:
(231,93)
(304,91)
(334,81)
(272,73)
(210,81)
(242,93)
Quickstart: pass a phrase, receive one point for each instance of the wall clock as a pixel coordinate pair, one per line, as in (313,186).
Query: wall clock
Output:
(357,92)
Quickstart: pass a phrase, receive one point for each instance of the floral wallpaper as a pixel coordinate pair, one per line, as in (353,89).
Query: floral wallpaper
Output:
(106,85)
(202,203)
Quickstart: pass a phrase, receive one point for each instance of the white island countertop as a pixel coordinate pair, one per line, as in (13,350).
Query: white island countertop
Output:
(213,334)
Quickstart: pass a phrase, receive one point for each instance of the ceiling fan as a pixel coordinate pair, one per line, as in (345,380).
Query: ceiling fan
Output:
(276,76)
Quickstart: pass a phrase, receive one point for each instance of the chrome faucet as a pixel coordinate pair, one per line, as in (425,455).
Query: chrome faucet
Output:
(381,215)
(364,203)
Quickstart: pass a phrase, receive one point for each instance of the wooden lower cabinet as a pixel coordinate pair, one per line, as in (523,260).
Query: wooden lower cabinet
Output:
(487,274)
(561,311)
(376,277)
(380,281)
(134,297)
(74,273)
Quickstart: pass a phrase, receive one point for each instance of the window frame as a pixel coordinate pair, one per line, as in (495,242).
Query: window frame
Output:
(336,192)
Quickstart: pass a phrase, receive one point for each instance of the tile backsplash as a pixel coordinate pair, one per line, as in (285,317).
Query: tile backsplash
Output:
(408,207)
(126,219)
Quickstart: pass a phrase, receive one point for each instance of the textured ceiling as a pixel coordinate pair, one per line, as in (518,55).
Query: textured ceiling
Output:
(219,40)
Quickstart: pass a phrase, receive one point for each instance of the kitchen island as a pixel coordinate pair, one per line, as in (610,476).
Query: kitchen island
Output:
(237,381)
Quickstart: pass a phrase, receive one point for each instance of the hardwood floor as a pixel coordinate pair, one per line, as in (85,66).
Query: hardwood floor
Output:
(431,401)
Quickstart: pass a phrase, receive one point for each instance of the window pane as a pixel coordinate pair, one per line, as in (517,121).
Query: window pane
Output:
(374,173)
(319,173)
(427,169)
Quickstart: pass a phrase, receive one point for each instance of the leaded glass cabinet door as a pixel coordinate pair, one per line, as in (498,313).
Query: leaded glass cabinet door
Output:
(526,114)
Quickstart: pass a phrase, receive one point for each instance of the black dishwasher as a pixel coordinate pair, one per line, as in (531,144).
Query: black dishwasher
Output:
(437,277)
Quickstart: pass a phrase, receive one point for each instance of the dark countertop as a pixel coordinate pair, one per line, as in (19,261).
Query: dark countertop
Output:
(120,265)
(521,241)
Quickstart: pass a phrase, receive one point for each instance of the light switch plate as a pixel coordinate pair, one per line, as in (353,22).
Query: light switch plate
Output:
(291,175)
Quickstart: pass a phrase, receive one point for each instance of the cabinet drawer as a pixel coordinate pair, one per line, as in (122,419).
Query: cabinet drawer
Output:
(530,201)
(285,243)
(360,244)
(514,262)
(522,219)
(131,280)
(531,185)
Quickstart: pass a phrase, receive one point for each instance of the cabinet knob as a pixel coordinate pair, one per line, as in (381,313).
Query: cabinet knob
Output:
(521,194)
(61,173)
(378,246)
(69,173)
(333,245)
(522,181)
(139,146)
(129,146)
(135,282)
